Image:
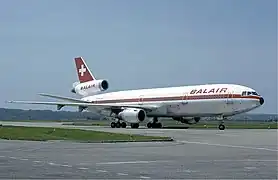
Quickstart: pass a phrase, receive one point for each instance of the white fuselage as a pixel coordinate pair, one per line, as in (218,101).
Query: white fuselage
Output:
(186,101)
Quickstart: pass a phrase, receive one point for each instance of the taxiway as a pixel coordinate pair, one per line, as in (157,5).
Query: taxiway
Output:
(214,154)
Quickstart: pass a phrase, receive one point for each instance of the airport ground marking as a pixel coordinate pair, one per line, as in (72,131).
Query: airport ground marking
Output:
(250,168)
(129,162)
(122,174)
(227,145)
(36,161)
(102,171)
(23,159)
(240,160)
(54,164)
(144,177)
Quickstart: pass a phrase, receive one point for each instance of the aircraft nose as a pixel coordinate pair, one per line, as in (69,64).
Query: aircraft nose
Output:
(261,100)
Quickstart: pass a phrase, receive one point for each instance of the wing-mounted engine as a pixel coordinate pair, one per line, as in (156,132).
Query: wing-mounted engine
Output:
(193,120)
(90,88)
(132,115)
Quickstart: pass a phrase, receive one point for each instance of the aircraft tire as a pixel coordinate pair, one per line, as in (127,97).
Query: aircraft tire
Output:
(123,125)
(150,125)
(113,124)
(134,126)
(159,125)
(118,124)
(154,125)
(221,126)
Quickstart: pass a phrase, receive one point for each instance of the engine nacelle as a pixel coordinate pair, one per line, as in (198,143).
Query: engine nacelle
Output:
(132,115)
(90,88)
(187,120)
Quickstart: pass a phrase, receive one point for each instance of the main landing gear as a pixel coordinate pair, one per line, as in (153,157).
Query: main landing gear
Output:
(118,124)
(154,123)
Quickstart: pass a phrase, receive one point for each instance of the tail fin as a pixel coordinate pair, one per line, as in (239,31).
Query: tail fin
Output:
(84,73)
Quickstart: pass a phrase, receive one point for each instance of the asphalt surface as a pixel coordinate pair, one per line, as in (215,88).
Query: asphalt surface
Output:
(214,154)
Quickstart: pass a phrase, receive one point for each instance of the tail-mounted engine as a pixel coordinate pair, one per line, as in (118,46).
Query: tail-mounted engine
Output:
(132,115)
(90,87)
(102,85)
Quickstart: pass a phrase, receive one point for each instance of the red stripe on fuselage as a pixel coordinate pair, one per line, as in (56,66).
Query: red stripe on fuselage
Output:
(176,98)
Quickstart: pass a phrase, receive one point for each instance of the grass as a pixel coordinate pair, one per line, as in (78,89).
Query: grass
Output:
(47,133)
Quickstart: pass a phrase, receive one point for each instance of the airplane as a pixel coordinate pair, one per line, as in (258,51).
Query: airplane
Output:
(186,104)
(88,84)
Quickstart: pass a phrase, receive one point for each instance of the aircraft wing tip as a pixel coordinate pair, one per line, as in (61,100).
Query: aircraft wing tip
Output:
(9,101)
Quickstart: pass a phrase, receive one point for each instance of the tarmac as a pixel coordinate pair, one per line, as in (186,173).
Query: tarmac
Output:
(202,154)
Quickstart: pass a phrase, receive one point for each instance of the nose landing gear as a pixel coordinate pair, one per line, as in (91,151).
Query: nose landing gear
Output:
(221,126)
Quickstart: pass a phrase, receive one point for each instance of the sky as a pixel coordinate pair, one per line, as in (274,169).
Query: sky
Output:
(137,44)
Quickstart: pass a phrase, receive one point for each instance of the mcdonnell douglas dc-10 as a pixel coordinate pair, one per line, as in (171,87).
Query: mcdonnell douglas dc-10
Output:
(187,104)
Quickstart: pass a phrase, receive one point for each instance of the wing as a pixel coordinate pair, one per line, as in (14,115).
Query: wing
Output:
(83,105)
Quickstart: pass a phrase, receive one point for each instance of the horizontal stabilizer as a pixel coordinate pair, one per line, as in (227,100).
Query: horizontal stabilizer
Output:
(50,103)
(62,97)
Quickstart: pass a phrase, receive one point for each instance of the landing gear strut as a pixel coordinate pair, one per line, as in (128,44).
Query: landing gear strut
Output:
(221,125)
(154,124)
(118,124)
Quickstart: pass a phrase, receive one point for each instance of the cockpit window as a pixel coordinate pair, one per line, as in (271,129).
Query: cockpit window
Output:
(254,93)
(248,93)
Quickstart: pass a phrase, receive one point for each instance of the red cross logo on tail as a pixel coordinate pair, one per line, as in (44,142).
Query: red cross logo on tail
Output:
(83,71)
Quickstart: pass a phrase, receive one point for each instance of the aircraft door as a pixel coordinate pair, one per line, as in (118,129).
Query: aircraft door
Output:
(230,98)
(232,104)
(140,101)
(185,99)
